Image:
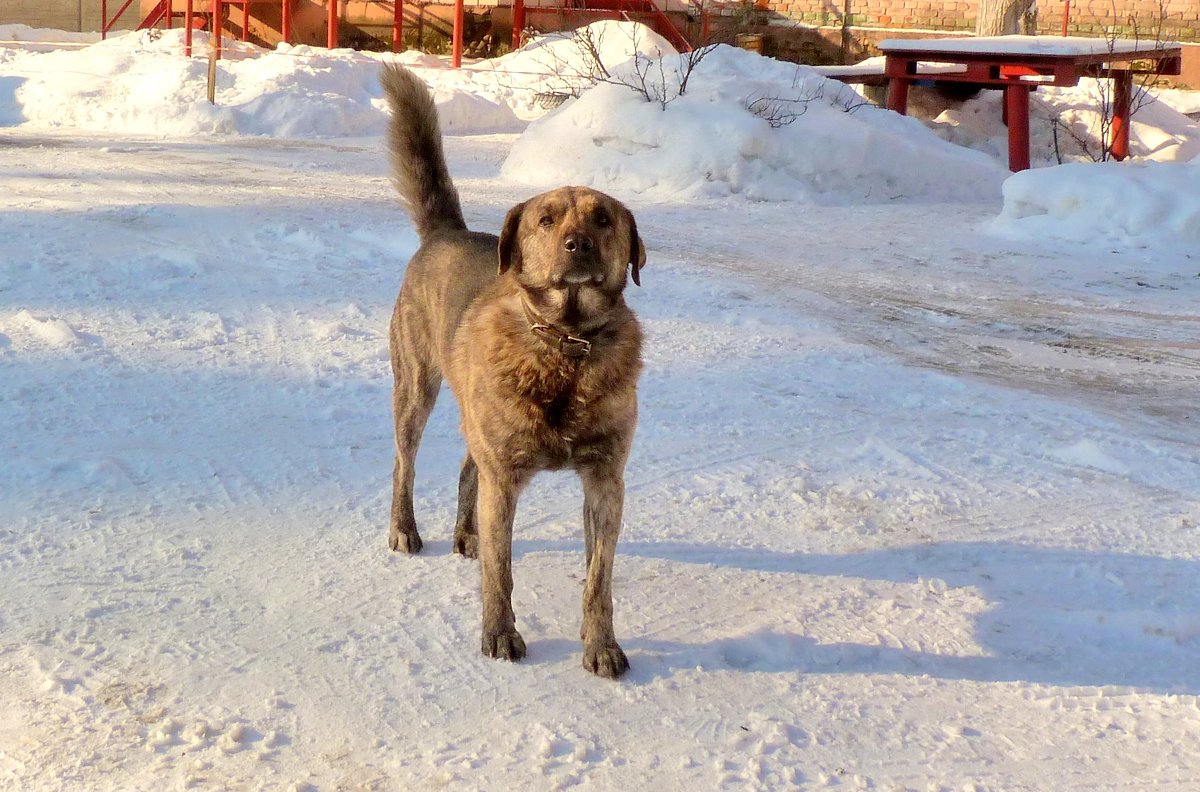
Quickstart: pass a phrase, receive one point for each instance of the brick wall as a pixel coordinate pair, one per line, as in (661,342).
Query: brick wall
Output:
(1088,17)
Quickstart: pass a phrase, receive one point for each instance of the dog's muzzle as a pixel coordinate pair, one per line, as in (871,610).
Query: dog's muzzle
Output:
(578,277)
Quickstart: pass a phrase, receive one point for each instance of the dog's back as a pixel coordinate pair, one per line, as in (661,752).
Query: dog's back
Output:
(415,147)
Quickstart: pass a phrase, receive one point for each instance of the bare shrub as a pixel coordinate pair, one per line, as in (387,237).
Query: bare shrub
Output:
(1103,94)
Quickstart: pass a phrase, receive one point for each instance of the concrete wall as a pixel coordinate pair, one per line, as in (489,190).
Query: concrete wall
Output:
(80,16)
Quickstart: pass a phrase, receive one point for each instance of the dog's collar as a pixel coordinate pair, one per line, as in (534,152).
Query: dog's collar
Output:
(566,344)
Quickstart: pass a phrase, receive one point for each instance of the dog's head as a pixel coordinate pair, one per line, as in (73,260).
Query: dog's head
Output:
(570,250)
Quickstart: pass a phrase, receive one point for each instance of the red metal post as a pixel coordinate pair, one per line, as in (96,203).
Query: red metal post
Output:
(286,25)
(518,22)
(187,34)
(398,26)
(218,23)
(1066,15)
(245,20)
(170,12)
(1016,102)
(456,53)
(1122,80)
(106,24)
(331,39)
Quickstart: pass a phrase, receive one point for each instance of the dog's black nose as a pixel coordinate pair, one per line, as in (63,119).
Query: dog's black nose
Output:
(577,243)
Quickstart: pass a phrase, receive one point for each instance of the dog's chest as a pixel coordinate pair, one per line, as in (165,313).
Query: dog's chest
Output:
(562,413)
(555,399)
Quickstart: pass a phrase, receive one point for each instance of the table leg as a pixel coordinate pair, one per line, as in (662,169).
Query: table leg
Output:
(897,97)
(1122,81)
(1016,102)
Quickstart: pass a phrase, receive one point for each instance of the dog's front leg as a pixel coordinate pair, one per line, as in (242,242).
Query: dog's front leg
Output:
(496,508)
(603,501)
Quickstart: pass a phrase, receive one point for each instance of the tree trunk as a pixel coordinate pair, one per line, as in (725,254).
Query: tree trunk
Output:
(1004,17)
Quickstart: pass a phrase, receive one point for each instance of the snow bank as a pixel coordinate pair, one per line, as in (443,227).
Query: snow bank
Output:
(811,138)
(825,143)
(1124,204)
(140,83)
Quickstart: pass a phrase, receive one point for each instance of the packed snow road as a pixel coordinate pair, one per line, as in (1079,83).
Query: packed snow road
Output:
(912,506)
(1115,329)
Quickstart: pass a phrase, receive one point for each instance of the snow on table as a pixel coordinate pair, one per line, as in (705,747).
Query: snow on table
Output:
(874,67)
(1021,45)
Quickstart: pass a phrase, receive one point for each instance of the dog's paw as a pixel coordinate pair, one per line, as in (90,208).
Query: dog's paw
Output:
(605,660)
(467,545)
(505,645)
(405,542)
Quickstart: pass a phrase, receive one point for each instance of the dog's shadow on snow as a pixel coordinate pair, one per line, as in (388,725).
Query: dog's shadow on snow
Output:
(1055,617)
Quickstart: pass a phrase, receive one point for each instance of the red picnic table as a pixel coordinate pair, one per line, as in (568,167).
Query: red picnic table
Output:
(1019,64)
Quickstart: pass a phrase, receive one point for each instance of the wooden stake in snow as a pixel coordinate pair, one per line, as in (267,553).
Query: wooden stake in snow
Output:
(212,71)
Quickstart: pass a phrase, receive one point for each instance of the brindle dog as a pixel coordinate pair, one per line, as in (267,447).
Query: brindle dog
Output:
(533,334)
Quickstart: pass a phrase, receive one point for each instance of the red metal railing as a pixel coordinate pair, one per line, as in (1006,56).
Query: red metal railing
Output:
(164,11)
(106,24)
(645,10)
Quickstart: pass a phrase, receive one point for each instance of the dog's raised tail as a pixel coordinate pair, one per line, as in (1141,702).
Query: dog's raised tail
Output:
(415,147)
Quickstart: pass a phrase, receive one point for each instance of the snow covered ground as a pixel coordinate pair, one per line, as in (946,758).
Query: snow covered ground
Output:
(913,503)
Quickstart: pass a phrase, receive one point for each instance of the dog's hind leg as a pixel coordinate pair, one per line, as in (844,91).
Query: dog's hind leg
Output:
(413,395)
(603,502)
(466,532)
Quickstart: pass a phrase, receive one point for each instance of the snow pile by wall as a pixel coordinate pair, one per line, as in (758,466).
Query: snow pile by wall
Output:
(1123,204)
(1179,100)
(32,35)
(748,125)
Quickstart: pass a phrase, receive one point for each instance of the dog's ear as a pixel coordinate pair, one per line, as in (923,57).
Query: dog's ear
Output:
(510,249)
(637,251)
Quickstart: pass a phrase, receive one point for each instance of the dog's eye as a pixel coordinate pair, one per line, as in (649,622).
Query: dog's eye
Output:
(602,219)
(546,221)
